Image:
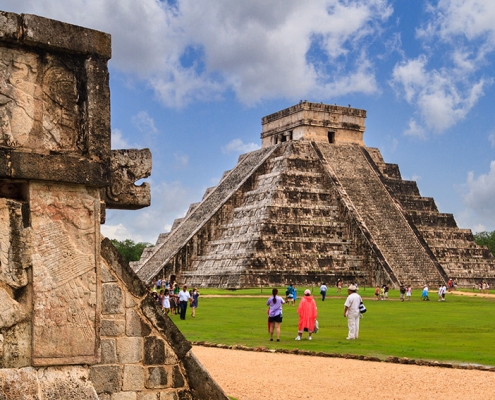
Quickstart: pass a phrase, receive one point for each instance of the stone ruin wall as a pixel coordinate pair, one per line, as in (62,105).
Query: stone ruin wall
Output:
(75,321)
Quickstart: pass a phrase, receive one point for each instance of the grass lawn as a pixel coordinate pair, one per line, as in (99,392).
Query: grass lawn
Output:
(459,330)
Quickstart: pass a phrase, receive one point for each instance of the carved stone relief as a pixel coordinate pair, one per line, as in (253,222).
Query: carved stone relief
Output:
(18,72)
(65,220)
(36,98)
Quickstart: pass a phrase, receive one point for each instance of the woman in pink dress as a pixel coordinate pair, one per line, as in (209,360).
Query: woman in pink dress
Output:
(307,315)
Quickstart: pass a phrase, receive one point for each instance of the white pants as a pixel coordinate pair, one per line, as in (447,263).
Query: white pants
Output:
(353,324)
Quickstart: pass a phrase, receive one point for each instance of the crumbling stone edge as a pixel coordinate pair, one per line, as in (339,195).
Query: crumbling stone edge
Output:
(391,359)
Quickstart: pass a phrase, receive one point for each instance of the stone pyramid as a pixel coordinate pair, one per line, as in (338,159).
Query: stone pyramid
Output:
(314,204)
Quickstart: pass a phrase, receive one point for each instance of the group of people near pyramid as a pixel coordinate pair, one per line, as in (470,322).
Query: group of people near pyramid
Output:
(308,312)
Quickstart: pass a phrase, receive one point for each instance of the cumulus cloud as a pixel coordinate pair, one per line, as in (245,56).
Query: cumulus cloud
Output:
(442,96)
(118,140)
(144,123)
(169,201)
(458,36)
(479,195)
(238,146)
(191,50)
(181,160)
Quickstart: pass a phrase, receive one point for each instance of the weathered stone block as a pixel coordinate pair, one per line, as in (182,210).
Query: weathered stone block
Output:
(134,324)
(18,384)
(105,275)
(154,351)
(17,346)
(130,300)
(106,378)
(108,351)
(157,378)
(168,395)
(178,378)
(66,383)
(10,311)
(148,396)
(112,299)
(124,396)
(130,350)
(133,377)
(112,327)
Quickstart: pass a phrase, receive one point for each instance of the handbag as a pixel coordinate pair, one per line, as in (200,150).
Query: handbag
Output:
(362,308)
(317,326)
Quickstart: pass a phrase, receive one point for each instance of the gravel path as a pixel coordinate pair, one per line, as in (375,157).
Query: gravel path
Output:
(248,375)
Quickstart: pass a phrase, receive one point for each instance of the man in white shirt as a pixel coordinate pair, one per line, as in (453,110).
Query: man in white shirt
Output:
(351,312)
(323,291)
(184,297)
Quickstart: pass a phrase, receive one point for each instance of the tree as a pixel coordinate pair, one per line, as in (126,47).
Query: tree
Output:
(486,239)
(129,250)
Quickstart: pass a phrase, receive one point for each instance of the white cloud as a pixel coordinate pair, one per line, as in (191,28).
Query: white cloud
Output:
(238,146)
(198,50)
(442,96)
(478,197)
(472,19)
(414,129)
(118,140)
(144,123)
(181,160)
(168,202)
(458,35)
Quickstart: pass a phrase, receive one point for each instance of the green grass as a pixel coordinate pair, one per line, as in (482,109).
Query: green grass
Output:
(459,330)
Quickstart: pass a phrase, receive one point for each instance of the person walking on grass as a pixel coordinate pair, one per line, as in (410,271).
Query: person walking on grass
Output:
(194,302)
(307,315)
(351,312)
(402,291)
(184,297)
(275,314)
(323,291)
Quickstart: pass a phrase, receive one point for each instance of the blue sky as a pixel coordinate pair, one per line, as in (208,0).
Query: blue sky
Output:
(192,79)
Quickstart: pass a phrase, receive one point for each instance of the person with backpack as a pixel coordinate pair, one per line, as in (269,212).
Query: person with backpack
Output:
(352,313)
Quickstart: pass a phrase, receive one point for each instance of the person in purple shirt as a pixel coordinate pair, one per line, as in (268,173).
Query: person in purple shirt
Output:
(275,314)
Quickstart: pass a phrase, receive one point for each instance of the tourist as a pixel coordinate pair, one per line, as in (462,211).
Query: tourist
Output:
(382,293)
(351,312)
(385,292)
(323,291)
(408,293)
(194,302)
(294,293)
(440,291)
(339,286)
(184,297)
(274,314)
(444,292)
(424,294)
(402,292)
(166,302)
(377,293)
(307,315)
(289,295)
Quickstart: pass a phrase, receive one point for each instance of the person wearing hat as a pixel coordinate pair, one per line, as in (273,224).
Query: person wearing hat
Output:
(351,312)
(307,315)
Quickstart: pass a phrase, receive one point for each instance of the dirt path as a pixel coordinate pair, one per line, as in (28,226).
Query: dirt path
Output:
(248,375)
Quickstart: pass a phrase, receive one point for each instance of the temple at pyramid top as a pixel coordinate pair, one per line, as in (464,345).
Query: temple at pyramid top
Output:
(316,122)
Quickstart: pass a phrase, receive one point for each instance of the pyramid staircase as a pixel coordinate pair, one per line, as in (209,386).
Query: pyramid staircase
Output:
(454,249)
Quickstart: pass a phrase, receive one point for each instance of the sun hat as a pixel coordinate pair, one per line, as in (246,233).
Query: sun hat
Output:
(307,292)
(352,288)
